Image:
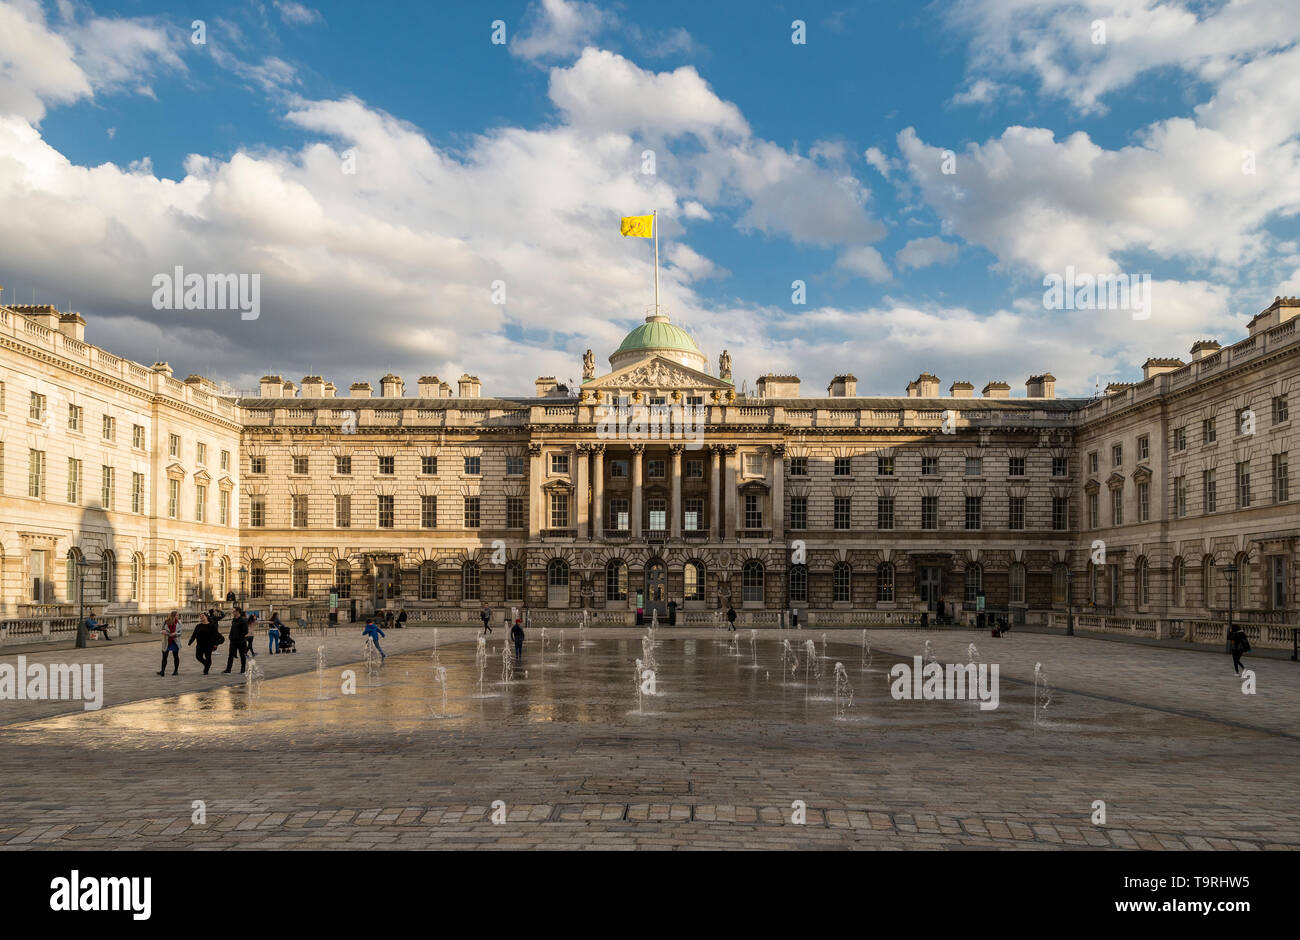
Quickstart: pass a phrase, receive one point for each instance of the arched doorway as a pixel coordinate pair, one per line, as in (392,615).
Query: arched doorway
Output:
(656,587)
(557,583)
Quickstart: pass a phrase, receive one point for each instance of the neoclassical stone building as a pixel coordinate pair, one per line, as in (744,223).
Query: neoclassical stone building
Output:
(656,481)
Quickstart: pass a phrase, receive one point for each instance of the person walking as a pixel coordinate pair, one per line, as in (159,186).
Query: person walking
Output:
(205,639)
(1239,645)
(248,632)
(171,634)
(486,616)
(273,634)
(517,634)
(238,645)
(401,618)
(373,631)
(731,618)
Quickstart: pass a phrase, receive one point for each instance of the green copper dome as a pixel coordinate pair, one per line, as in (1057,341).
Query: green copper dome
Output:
(658,334)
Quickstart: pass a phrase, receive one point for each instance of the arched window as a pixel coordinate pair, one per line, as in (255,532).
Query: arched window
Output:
(137,576)
(223,575)
(343,579)
(557,582)
(974,583)
(616,581)
(751,581)
(173,578)
(799,584)
(469,581)
(1179,583)
(72,579)
(1060,584)
(1242,588)
(108,578)
(299,579)
(428,581)
(1016,583)
(885,582)
(1207,581)
(514,581)
(841,582)
(1143,582)
(257,579)
(693,581)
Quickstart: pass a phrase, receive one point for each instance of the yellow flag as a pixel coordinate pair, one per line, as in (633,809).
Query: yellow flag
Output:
(638,226)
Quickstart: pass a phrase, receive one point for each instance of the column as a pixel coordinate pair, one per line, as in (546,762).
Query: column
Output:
(580,510)
(598,491)
(778,491)
(729,492)
(675,507)
(535,509)
(637,451)
(715,490)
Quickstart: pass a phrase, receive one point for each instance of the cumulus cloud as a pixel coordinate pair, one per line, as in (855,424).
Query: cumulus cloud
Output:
(559,29)
(923,252)
(864,261)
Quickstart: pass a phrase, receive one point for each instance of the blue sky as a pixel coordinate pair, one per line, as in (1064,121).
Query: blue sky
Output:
(126,149)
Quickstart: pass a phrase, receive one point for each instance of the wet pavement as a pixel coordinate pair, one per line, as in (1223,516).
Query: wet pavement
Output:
(734,735)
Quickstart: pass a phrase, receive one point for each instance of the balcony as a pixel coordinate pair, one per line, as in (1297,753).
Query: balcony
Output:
(559,533)
(753,533)
(618,535)
(656,535)
(696,534)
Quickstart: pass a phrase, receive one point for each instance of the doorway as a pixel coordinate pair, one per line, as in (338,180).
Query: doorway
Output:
(656,587)
(931,586)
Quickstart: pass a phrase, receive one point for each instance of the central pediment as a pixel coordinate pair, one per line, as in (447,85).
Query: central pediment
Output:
(656,373)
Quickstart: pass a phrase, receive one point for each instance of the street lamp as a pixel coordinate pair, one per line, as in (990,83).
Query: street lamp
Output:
(1069,602)
(243,586)
(1229,572)
(82,632)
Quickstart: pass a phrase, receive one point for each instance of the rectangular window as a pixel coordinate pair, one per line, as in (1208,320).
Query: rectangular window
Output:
(1117,506)
(618,514)
(1209,432)
(798,466)
(223,507)
(201,454)
(137,493)
(695,469)
(1180,439)
(1209,491)
(884,513)
(74,480)
(655,468)
(753,511)
(1280,410)
(257,512)
(560,463)
(514,466)
(1117,455)
(173,445)
(428,512)
(843,466)
(299,511)
(74,417)
(929,512)
(1060,513)
(225,460)
(387,465)
(36,407)
(974,466)
(1180,496)
(173,498)
(798,512)
(1281,480)
(471,511)
(974,511)
(137,436)
(1060,466)
(1016,513)
(107,479)
(473,466)
(1245,421)
(300,466)
(617,469)
(1144,502)
(929,466)
(343,466)
(343,512)
(1016,467)
(658,514)
(257,465)
(429,466)
(1144,447)
(844,512)
(200,503)
(515,512)
(693,518)
(1243,485)
(1092,462)
(560,512)
(386,520)
(885,466)
(1094,512)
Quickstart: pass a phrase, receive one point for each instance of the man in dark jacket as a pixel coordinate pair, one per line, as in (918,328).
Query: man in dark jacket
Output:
(1239,644)
(517,634)
(238,634)
(205,638)
(731,617)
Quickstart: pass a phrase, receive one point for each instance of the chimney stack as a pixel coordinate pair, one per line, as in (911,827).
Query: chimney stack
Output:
(392,386)
(996,390)
(1041,386)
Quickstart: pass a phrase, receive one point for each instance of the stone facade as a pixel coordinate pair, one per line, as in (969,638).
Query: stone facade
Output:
(657,482)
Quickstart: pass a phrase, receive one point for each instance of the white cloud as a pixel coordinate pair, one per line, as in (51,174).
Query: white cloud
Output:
(559,29)
(922,252)
(296,14)
(864,261)
(876,158)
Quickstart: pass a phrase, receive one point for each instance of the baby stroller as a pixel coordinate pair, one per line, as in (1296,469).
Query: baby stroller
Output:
(287,645)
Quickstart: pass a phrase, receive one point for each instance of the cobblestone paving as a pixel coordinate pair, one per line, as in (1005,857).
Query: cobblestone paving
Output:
(1165,737)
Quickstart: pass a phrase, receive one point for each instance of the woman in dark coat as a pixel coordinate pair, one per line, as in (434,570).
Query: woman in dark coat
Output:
(205,637)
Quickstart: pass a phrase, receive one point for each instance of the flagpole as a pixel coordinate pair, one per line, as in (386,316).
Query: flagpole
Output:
(654,224)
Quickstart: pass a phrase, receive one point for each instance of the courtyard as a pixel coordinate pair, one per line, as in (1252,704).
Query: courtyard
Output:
(735,743)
